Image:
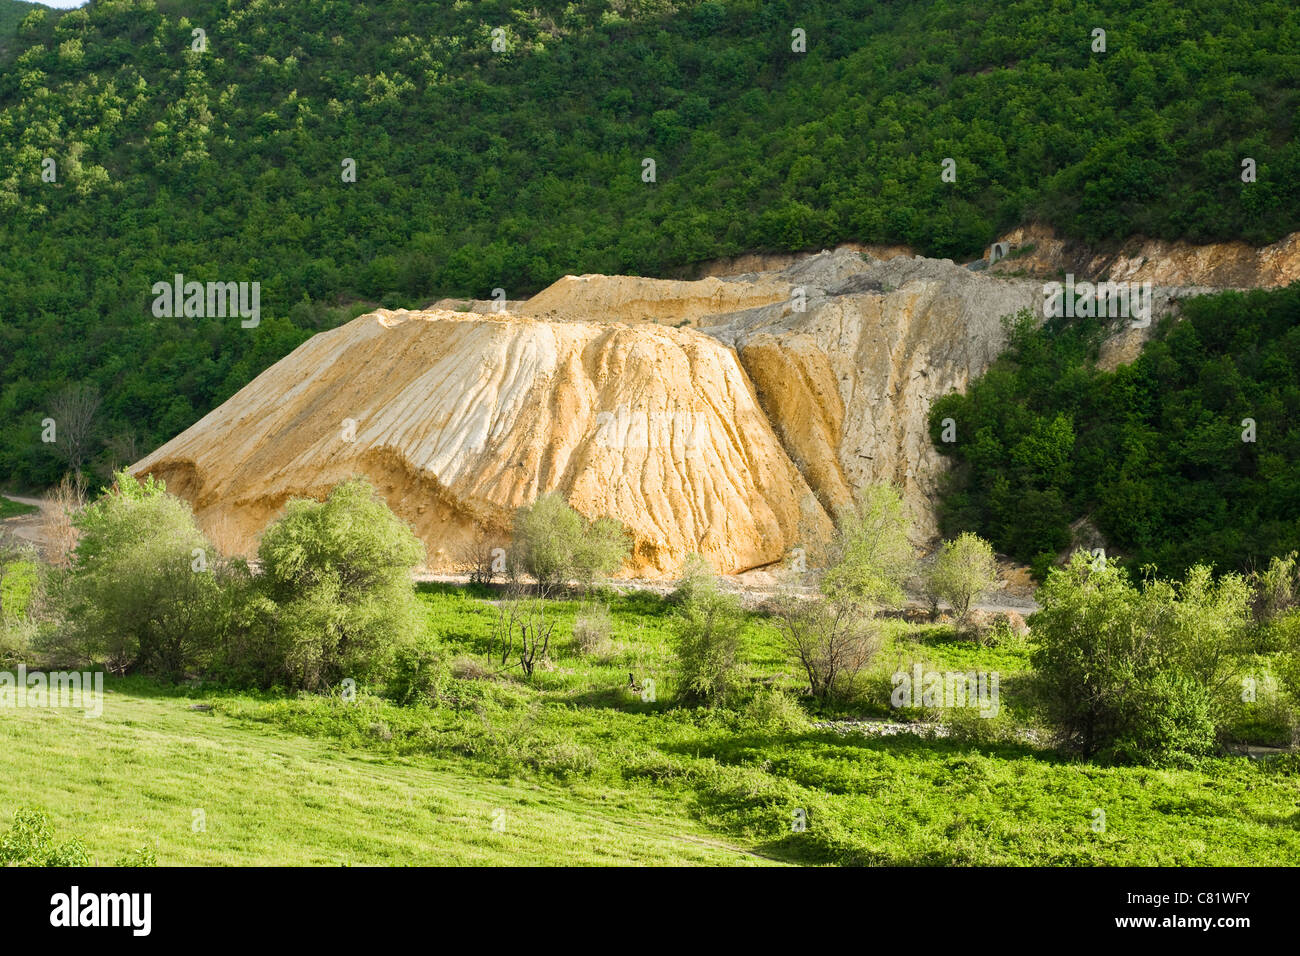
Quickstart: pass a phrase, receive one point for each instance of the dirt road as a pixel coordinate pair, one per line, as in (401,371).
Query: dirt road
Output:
(29,528)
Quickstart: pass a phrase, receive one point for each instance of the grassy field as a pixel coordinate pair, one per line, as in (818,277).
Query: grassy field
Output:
(588,772)
(137,775)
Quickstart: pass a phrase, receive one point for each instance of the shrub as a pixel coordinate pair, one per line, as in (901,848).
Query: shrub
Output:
(592,630)
(1176,723)
(963,570)
(772,709)
(1135,674)
(707,638)
(338,576)
(831,639)
(419,672)
(555,545)
(29,841)
(144,593)
(696,574)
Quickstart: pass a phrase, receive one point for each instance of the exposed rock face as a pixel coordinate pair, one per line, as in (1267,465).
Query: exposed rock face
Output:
(849,380)
(776,261)
(458,419)
(1222,265)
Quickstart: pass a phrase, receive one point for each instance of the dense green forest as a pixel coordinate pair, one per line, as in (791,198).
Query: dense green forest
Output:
(12,13)
(478,168)
(1158,454)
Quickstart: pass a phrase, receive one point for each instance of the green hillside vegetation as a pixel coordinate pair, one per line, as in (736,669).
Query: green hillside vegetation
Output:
(1153,453)
(12,13)
(478,169)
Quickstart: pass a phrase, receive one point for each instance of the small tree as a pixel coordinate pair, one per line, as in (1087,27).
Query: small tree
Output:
(484,555)
(870,557)
(1135,674)
(523,631)
(707,638)
(75,411)
(964,569)
(555,545)
(338,576)
(143,594)
(831,639)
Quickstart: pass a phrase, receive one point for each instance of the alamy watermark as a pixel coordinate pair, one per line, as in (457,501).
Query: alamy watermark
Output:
(946,689)
(37,689)
(1101,300)
(211,300)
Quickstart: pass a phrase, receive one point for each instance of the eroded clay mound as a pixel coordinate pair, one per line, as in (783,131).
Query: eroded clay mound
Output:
(458,419)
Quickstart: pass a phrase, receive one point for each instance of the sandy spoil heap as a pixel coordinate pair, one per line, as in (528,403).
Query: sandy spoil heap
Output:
(459,418)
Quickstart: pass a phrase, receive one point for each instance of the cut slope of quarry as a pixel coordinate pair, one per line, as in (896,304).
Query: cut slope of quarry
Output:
(727,416)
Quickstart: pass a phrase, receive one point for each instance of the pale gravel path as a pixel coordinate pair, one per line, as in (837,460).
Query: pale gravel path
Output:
(29,528)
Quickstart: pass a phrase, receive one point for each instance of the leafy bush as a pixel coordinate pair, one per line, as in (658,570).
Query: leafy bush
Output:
(145,590)
(555,544)
(1176,723)
(1136,674)
(338,576)
(963,570)
(772,709)
(708,628)
(29,841)
(419,673)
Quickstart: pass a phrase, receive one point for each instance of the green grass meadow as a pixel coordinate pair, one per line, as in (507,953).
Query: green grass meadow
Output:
(572,767)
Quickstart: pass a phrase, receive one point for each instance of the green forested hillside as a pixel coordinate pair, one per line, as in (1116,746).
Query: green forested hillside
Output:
(479,169)
(1189,454)
(11,14)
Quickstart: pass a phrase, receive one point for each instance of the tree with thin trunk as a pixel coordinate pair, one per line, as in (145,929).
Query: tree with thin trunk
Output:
(75,411)
(964,570)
